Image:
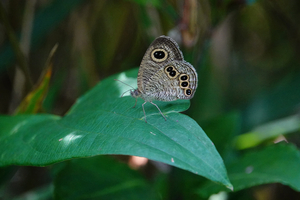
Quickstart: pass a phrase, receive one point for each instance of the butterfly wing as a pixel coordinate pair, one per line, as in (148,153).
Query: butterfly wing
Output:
(161,51)
(176,80)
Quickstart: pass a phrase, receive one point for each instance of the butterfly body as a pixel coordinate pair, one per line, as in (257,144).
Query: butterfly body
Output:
(164,75)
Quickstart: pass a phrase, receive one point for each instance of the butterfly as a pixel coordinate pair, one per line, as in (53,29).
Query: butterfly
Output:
(164,75)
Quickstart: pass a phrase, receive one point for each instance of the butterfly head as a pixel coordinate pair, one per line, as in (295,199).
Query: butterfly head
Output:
(135,93)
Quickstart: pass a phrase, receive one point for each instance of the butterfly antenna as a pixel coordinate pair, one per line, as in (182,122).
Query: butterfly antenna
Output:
(125,92)
(124,83)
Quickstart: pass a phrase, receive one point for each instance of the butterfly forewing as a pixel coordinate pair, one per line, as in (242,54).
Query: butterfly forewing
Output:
(161,51)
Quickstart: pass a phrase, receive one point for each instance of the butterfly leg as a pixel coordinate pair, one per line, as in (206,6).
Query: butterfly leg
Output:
(135,103)
(144,110)
(158,109)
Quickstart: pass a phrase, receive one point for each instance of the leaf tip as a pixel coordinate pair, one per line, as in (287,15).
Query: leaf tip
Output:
(230,187)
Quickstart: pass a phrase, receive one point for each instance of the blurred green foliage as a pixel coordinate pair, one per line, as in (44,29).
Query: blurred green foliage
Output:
(246,53)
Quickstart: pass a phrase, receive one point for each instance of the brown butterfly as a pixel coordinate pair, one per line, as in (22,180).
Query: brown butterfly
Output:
(164,75)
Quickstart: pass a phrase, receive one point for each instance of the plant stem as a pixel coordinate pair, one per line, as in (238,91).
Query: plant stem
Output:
(22,62)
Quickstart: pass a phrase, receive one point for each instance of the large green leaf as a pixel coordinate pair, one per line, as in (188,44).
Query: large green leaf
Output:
(103,123)
(100,178)
(275,164)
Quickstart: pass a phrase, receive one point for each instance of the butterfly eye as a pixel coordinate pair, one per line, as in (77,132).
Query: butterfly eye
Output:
(159,55)
(184,84)
(169,69)
(188,92)
(172,73)
(184,77)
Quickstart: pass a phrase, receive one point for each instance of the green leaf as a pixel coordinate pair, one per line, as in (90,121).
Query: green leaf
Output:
(275,164)
(103,123)
(100,178)
(267,131)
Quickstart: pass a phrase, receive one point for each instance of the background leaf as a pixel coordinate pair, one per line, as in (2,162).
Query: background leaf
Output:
(34,100)
(43,24)
(274,164)
(101,178)
(267,131)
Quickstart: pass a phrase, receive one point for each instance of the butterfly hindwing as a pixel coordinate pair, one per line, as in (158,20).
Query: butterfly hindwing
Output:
(176,80)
